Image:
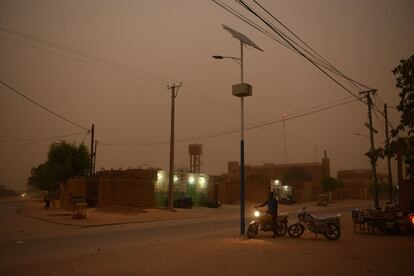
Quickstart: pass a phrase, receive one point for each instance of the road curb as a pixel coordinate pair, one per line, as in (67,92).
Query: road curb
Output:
(109,223)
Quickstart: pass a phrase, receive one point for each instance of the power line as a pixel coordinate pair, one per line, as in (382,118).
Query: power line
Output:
(86,62)
(319,56)
(251,23)
(40,138)
(88,55)
(231,131)
(46,139)
(42,106)
(317,60)
(193,92)
(162,80)
(301,53)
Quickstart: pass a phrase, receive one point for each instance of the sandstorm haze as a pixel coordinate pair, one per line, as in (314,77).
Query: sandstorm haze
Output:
(175,40)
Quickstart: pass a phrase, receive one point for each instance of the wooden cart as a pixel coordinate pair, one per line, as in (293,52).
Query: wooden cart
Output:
(378,222)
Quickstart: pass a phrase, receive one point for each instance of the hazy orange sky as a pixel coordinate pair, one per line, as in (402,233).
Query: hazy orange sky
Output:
(172,41)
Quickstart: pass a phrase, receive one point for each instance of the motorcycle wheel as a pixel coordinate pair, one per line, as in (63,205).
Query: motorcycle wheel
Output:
(296,230)
(332,232)
(252,230)
(281,228)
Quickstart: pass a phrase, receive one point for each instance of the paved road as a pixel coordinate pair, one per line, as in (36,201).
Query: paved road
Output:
(194,246)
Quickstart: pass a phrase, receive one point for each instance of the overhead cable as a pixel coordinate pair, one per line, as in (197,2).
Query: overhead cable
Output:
(313,50)
(41,106)
(39,141)
(89,56)
(231,131)
(300,52)
(103,66)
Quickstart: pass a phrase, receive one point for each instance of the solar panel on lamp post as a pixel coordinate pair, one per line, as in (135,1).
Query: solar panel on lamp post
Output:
(241,90)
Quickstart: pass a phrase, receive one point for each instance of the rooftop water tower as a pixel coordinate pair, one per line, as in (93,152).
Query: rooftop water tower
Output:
(195,157)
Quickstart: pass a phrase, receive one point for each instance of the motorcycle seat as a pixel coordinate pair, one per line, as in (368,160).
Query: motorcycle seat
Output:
(327,218)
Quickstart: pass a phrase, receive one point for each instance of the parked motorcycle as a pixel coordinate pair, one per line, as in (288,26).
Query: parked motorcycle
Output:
(263,222)
(330,226)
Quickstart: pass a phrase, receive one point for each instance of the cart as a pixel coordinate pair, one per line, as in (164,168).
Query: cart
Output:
(322,200)
(378,222)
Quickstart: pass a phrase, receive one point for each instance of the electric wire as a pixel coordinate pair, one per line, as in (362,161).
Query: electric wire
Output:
(313,50)
(86,62)
(40,138)
(43,140)
(41,106)
(231,131)
(250,22)
(88,55)
(97,58)
(321,59)
(162,80)
(259,28)
(301,53)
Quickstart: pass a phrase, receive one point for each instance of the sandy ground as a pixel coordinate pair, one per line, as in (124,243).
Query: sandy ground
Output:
(221,253)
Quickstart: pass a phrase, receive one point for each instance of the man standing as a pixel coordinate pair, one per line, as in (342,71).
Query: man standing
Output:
(272,206)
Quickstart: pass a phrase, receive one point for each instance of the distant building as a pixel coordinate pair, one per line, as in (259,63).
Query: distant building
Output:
(130,187)
(259,179)
(357,184)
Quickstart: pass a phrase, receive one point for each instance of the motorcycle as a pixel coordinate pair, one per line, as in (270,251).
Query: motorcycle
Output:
(263,222)
(330,226)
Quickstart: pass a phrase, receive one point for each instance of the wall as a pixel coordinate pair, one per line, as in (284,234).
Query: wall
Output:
(258,181)
(126,192)
(356,184)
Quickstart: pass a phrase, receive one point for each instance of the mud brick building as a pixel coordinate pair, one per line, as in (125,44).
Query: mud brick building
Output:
(258,180)
(356,184)
(131,187)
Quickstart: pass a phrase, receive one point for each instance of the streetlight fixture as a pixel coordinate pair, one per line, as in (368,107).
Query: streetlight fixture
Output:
(241,90)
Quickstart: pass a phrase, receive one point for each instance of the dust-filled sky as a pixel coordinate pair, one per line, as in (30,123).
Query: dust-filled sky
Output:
(108,63)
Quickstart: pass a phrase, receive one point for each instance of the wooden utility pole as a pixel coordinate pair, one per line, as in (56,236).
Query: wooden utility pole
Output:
(92,151)
(387,143)
(174,93)
(372,150)
(94,157)
(284,138)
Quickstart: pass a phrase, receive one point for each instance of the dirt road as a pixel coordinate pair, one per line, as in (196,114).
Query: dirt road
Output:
(208,245)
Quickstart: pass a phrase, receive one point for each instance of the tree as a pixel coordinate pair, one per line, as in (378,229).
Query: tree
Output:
(404,73)
(329,184)
(64,161)
(45,177)
(71,160)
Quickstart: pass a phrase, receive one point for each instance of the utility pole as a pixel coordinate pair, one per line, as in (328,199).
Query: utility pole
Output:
(284,137)
(92,141)
(94,156)
(387,143)
(372,150)
(174,93)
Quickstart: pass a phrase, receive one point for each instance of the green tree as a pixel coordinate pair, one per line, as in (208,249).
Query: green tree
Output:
(404,73)
(329,184)
(70,160)
(45,177)
(64,161)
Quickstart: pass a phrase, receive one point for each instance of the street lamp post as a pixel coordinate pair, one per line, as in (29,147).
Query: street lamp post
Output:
(241,90)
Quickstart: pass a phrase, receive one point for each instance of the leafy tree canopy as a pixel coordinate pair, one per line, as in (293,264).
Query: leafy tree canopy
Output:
(329,184)
(402,134)
(404,73)
(64,161)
